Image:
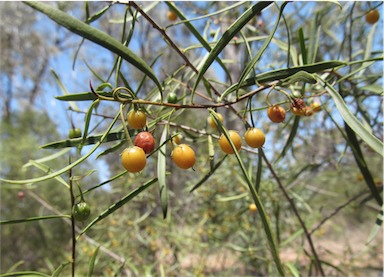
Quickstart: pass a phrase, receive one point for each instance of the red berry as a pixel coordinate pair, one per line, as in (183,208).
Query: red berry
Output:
(145,141)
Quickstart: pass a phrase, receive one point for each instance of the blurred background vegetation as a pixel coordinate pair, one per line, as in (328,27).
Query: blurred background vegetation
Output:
(210,231)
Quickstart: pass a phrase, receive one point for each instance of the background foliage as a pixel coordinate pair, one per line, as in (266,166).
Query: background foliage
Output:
(318,182)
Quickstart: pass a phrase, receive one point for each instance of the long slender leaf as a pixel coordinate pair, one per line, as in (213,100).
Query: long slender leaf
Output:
(262,49)
(280,74)
(118,205)
(58,270)
(359,158)
(118,135)
(84,30)
(48,158)
(291,137)
(228,35)
(24,273)
(92,262)
(351,120)
(161,171)
(376,228)
(47,169)
(64,89)
(197,35)
(29,219)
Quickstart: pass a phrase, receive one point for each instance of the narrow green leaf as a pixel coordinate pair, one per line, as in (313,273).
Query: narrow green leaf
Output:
(197,35)
(362,165)
(47,170)
(111,149)
(161,171)
(84,30)
(303,49)
(301,76)
(48,158)
(60,268)
(97,15)
(87,96)
(351,120)
(24,273)
(64,90)
(291,137)
(118,205)
(259,169)
(209,174)
(313,40)
(257,57)
(118,135)
(29,219)
(232,198)
(92,262)
(87,121)
(228,35)
(295,272)
(280,74)
(376,228)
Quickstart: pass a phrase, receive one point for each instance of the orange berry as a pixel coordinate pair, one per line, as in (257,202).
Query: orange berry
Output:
(372,16)
(171,15)
(276,114)
(226,146)
(183,156)
(254,137)
(212,122)
(133,159)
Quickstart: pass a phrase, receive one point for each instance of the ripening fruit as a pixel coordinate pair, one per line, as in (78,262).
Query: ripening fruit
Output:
(172,98)
(297,111)
(137,119)
(212,122)
(81,211)
(74,133)
(145,141)
(226,146)
(183,156)
(276,114)
(254,137)
(308,111)
(133,159)
(252,207)
(372,16)
(172,16)
(316,107)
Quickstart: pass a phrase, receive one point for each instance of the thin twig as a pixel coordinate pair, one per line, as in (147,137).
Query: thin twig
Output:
(338,209)
(296,212)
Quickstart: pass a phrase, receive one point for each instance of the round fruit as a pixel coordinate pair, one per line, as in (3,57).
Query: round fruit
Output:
(308,111)
(137,119)
(74,133)
(133,159)
(276,114)
(254,137)
(372,16)
(183,156)
(212,122)
(172,98)
(316,107)
(81,211)
(226,146)
(297,111)
(145,141)
(252,207)
(172,16)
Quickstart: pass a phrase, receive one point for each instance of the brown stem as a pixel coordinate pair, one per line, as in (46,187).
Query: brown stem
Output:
(296,212)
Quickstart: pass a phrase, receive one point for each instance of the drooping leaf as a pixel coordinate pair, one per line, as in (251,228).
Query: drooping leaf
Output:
(161,172)
(351,120)
(229,34)
(95,35)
